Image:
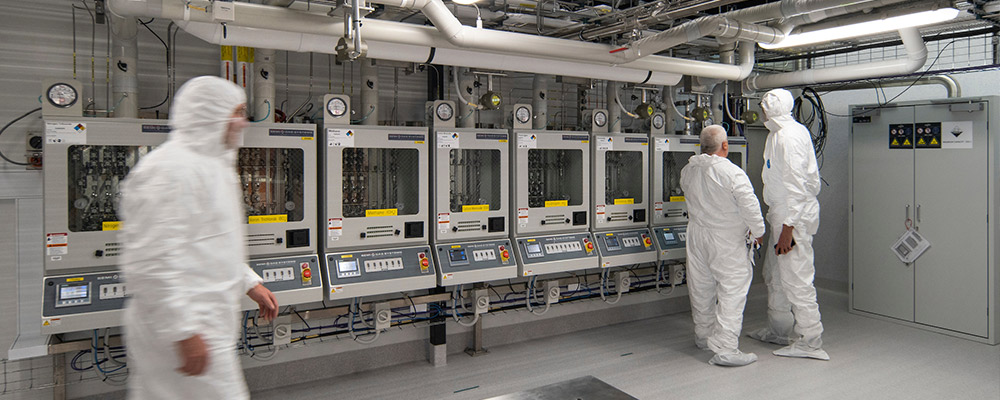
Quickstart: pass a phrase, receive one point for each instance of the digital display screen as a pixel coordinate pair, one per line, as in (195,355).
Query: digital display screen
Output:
(611,241)
(347,266)
(73,291)
(457,255)
(668,236)
(534,248)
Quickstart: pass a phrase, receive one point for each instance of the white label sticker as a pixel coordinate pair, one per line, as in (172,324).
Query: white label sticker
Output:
(527,141)
(605,143)
(444,222)
(447,140)
(66,132)
(522,217)
(56,244)
(663,144)
(335,226)
(340,137)
(956,135)
(600,213)
(52,322)
(658,206)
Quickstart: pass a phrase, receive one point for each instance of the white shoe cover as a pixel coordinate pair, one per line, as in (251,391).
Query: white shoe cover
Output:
(737,359)
(802,351)
(765,335)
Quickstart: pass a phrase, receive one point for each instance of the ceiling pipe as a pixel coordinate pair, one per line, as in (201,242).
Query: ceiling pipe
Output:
(722,28)
(299,42)
(916,56)
(952,87)
(522,46)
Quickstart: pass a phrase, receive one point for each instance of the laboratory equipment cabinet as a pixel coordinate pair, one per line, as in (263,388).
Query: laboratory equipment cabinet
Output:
(932,166)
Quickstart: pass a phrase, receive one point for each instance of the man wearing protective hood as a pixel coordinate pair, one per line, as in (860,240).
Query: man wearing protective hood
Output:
(184,257)
(791,184)
(723,211)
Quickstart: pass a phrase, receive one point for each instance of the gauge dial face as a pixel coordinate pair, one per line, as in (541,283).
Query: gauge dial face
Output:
(658,121)
(600,118)
(444,111)
(522,114)
(61,95)
(337,107)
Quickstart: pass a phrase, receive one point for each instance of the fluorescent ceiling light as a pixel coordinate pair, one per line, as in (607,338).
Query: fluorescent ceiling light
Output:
(464,2)
(866,28)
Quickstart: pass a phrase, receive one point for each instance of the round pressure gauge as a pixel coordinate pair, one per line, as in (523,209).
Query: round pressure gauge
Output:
(522,114)
(444,111)
(337,107)
(600,118)
(61,95)
(658,121)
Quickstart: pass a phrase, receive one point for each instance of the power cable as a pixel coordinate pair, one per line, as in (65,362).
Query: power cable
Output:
(12,123)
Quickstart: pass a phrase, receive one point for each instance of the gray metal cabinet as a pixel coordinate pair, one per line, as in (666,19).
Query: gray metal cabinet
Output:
(937,176)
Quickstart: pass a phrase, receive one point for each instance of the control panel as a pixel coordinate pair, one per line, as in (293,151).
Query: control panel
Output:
(557,253)
(289,278)
(671,242)
(473,262)
(633,246)
(373,272)
(81,302)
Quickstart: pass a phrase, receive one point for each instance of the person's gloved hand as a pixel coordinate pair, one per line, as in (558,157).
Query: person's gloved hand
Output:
(266,301)
(194,355)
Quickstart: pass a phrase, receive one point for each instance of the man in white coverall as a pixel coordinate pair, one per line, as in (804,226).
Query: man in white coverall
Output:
(723,211)
(185,258)
(791,184)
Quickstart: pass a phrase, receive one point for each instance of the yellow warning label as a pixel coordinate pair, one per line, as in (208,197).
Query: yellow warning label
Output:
(557,203)
(624,201)
(476,208)
(74,279)
(244,54)
(934,141)
(347,256)
(895,142)
(307,138)
(530,240)
(387,212)
(46,323)
(609,234)
(110,225)
(456,246)
(906,142)
(267,219)
(226,53)
(676,198)
(921,141)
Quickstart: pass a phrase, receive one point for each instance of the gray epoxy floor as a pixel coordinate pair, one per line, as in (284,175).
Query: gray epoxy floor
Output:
(657,359)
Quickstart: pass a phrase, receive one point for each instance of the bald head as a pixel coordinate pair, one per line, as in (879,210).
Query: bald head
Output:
(713,140)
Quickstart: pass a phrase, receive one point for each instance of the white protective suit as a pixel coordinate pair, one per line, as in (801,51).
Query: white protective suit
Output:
(722,208)
(185,260)
(791,184)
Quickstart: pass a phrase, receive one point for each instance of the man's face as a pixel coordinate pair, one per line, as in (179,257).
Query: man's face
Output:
(237,123)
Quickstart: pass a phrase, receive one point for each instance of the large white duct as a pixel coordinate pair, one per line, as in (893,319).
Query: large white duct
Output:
(213,33)
(521,46)
(125,67)
(722,28)
(916,55)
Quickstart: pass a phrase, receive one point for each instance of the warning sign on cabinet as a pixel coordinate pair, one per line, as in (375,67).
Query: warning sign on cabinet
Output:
(956,135)
(900,136)
(928,135)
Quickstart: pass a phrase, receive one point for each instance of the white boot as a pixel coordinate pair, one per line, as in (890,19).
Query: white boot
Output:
(801,350)
(765,335)
(737,359)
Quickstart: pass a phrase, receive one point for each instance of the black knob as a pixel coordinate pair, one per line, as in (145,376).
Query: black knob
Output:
(454,229)
(484,227)
(397,232)
(363,235)
(99,253)
(279,240)
(629,217)
(543,222)
(567,220)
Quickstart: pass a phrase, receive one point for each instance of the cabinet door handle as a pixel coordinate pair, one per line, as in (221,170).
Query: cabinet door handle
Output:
(918,212)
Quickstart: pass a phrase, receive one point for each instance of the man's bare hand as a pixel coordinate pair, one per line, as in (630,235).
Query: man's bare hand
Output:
(194,355)
(266,301)
(784,241)
(759,241)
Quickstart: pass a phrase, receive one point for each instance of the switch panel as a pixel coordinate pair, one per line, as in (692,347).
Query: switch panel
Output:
(565,247)
(631,242)
(278,274)
(484,255)
(473,262)
(111,291)
(382,265)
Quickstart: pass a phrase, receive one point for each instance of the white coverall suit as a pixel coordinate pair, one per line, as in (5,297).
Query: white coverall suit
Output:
(791,184)
(185,260)
(722,209)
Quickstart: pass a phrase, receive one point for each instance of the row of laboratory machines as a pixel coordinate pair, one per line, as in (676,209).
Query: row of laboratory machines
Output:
(337,212)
